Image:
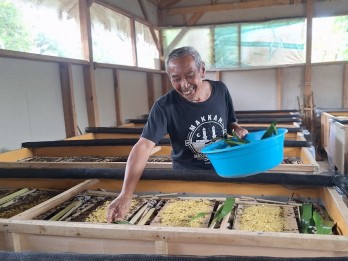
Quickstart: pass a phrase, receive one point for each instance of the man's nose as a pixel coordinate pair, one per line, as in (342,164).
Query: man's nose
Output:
(183,82)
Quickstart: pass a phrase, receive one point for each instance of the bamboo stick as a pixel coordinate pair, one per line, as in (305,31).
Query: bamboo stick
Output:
(76,206)
(64,211)
(146,217)
(138,215)
(13,195)
(14,200)
(81,211)
(212,225)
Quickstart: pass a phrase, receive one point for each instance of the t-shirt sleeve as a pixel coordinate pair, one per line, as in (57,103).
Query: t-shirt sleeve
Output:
(231,116)
(156,126)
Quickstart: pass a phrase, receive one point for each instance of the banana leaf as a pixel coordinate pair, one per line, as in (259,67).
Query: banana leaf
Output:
(224,209)
(271,130)
(323,227)
(306,217)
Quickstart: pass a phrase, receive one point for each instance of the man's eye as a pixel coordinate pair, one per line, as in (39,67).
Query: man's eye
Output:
(176,80)
(191,76)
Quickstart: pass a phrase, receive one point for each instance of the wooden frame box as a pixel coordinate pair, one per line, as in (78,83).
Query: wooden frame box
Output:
(24,234)
(338,147)
(325,120)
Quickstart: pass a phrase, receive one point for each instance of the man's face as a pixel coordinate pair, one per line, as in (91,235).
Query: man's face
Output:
(185,77)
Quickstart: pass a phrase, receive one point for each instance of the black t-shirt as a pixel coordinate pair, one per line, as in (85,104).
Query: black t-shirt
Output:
(190,125)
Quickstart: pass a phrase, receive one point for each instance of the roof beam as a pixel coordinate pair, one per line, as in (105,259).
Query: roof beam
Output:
(229,6)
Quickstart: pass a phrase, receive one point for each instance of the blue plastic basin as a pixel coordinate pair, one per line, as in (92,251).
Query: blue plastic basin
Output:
(247,159)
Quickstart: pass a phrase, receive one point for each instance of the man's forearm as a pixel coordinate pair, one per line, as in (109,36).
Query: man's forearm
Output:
(135,166)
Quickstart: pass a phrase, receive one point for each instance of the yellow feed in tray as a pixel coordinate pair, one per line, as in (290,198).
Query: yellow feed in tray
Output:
(262,218)
(99,215)
(178,213)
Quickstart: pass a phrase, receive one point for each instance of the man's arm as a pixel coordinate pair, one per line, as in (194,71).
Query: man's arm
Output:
(136,162)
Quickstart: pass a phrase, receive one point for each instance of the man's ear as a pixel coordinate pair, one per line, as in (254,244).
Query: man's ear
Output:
(203,71)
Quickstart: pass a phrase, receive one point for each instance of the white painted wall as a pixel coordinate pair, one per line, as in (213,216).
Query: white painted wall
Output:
(30,103)
(80,97)
(133,94)
(105,97)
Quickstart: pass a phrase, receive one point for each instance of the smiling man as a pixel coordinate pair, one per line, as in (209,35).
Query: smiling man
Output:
(193,113)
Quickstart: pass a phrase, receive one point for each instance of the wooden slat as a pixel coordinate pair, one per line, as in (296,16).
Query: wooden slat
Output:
(88,70)
(147,18)
(55,201)
(307,93)
(68,100)
(117,96)
(336,208)
(134,42)
(279,72)
(229,6)
(39,57)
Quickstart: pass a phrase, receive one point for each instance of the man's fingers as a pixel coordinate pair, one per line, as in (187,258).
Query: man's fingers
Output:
(110,216)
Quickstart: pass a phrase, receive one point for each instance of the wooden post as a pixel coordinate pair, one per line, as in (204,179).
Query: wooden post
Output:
(68,100)
(279,87)
(117,97)
(88,70)
(308,95)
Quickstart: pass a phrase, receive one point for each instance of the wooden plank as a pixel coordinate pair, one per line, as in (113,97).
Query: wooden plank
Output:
(116,78)
(40,57)
(88,70)
(14,155)
(134,42)
(229,6)
(147,18)
(279,79)
(161,247)
(67,88)
(293,244)
(55,201)
(16,241)
(336,208)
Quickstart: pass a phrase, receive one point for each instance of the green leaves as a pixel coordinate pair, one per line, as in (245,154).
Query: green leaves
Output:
(224,209)
(271,130)
(313,223)
(220,213)
(323,227)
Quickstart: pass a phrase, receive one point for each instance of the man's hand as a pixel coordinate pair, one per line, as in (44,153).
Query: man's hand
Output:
(118,208)
(240,132)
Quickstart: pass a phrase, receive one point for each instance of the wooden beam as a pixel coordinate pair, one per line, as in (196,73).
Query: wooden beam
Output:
(150,90)
(279,77)
(91,96)
(345,86)
(134,43)
(308,96)
(165,83)
(68,100)
(167,3)
(147,18)
(229,6)
(218,76)
(117,96)
(192,21)
(88,70)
